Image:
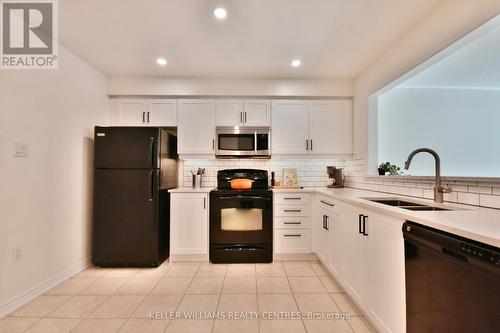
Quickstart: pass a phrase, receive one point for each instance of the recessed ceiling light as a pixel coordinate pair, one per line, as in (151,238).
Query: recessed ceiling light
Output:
(161,61)
(220,13)
(296,63)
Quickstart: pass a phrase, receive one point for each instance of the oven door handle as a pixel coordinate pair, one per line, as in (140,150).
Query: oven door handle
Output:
(245,197)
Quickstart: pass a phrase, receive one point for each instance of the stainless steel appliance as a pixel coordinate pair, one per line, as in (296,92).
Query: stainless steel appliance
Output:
(241,221)
(243,142)
(133,169)
(452,283)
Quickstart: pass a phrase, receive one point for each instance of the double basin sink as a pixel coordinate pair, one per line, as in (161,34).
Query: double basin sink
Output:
(406,204)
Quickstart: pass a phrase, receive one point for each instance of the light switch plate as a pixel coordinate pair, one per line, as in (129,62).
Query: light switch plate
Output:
(21,150)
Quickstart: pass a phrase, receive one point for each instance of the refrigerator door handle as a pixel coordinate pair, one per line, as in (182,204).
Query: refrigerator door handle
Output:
(151,186)
(152,145)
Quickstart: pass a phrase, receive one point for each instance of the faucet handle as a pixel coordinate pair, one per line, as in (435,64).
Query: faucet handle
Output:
(443,189)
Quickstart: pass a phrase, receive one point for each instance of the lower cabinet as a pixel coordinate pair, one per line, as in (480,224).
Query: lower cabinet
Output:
(292,222)
(365,251)
(188,223)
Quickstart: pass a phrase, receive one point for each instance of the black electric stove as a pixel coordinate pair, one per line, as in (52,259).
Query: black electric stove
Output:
(241,221)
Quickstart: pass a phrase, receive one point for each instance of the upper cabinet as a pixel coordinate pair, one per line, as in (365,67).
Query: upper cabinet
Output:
(162,112)
(289,127)
(146,112)
(330,127)
(257,112)
(316,127)
(229,112)
(196,126)
(238,112)
(131,112)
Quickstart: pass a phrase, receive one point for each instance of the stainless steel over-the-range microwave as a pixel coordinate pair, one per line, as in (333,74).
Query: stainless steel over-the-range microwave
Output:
(238,141)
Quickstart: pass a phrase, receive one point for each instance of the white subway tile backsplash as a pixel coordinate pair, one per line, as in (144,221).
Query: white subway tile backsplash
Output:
(492,201)
(478,189)
(486,193)
(468,198)
(311,172)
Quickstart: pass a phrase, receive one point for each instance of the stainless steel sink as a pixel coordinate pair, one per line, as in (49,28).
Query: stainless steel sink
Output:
(426,208)
(395,202)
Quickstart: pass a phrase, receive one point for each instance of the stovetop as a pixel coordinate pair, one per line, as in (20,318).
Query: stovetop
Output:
(259,191)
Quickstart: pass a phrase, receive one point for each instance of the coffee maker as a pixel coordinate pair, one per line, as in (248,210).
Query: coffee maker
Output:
(337,177)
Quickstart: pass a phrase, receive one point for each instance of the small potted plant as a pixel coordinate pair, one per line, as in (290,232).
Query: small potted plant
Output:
(387,167)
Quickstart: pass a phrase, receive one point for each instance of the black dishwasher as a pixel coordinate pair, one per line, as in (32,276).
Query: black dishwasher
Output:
(452,283)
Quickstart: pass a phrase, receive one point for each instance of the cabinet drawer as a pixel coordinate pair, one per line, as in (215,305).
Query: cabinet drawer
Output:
(292,241)
(292,198)
(292,210)
(300,222)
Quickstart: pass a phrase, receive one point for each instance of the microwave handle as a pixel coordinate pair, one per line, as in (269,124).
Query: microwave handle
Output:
(255,140)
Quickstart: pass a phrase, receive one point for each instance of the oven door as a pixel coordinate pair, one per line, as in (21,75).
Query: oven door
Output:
(241,219)
(242,141)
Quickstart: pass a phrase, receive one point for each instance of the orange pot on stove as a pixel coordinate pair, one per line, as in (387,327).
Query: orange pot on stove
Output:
(241,184)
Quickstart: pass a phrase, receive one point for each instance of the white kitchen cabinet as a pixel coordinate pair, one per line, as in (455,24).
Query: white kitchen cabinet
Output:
(162,112)
(329,226)
(290,126)
(146,112)
(229,112)
(257,112)
(131,112)
(315,127)
(238,112)
(292,222)
(387,275)
(196,126)
(189,223)
(356,256)
(330,127)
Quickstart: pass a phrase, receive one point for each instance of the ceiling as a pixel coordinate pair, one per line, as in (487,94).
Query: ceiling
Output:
(476,65)
(259,38)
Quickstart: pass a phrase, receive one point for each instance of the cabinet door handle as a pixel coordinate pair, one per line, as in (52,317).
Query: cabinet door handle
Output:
(205,203)
(298,198)
(324,221)
(327,222)
(364,225)
(245,117)
(311,145)
(148,118)
(143,117)
(307,144)
(327,203)
(241,117)
(359,223)
(292,222)
(292,210)
(292,235)
(213,144)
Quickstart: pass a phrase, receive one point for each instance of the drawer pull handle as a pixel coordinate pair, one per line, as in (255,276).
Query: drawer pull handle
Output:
(292,235)
(292,198)
(292,222)
(292,210)
(327,203)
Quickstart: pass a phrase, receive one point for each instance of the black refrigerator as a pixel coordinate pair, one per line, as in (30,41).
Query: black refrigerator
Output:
(133,169)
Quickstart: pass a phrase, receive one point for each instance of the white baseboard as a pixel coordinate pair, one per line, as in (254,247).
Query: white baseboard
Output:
(32,293)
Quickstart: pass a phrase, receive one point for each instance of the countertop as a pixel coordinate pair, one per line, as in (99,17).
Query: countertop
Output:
(477,223)
(191,190)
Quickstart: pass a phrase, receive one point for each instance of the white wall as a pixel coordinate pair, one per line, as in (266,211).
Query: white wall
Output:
(45,198)
(228,87)
(460,124)
(448,22)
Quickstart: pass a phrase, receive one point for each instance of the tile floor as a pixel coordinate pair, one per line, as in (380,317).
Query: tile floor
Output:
(104,300)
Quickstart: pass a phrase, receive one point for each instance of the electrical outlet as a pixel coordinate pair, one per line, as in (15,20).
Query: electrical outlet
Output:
(17,254)
(21,150)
